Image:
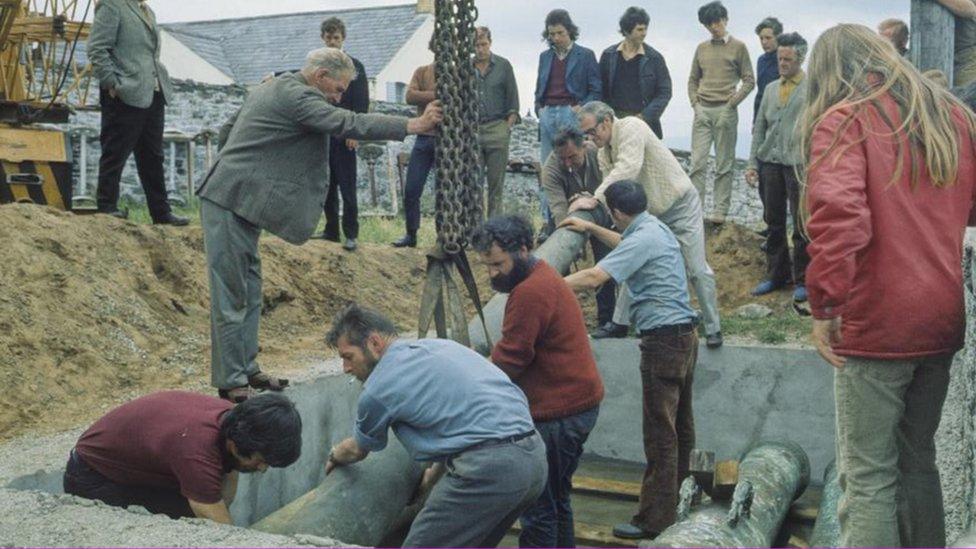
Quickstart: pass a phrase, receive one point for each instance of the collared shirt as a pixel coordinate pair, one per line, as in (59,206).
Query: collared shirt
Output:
(440,398)
(649,260)
(723,40)
(787,86)
(562,55)
(497,90)
(620,47)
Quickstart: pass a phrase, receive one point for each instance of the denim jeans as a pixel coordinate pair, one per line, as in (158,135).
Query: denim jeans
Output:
(887,415)
(551,121)
(421,162)
(549,522)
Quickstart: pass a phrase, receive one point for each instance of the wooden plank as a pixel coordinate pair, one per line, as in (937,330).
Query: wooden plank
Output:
(592,535)
(604,487)
(933,37)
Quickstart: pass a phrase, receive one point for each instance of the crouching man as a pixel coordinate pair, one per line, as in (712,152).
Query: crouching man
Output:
(179,453)
(447,405)
(648,258)
(544,349)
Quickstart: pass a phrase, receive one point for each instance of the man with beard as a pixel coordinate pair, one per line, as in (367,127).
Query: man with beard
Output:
(648,258)
(545,351)
(179,453)
(450,406)
(273,175)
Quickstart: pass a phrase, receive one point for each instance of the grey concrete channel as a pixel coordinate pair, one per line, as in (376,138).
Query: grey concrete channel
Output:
(742,395)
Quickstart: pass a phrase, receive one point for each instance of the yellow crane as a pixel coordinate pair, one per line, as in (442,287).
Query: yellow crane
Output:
(40,83)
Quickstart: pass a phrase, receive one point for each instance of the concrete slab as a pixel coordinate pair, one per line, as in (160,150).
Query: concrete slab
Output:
(742,394)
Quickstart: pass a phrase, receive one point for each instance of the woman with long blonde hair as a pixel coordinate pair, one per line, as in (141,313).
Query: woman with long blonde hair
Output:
(889,192)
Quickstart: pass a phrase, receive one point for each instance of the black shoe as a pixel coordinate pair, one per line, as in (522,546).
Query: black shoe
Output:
(408,241)
(610,330)
(350,245)
(713,341)
(326,236)
(629,531)
(172,219)
(120,214)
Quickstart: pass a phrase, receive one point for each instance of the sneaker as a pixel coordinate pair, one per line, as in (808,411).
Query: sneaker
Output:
(800,293)
(408,241)
(350,245)
(766,287)
(629,531)
(610,330)
(713,341)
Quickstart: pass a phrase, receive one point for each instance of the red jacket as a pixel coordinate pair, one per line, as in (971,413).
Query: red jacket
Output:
(885,257)
(545,349)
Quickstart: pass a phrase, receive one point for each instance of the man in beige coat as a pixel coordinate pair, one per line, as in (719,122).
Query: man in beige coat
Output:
(629,150)
(272,174)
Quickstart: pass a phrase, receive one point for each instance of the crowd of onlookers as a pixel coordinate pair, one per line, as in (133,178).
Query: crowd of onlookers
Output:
(874,161)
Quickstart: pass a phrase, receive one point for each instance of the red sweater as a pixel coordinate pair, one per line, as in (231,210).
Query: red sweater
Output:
(885,257)
(545,349)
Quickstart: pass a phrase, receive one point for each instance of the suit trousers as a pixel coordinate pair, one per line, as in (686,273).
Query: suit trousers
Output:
(718,126)
(494,138)
(481,495)
(782,189)
(342,180)
(422,159)
(127,130)
(887,414)
(234,270)
(667,370)
(684,218)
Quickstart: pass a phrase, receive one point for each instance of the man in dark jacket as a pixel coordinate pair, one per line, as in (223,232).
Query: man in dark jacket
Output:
(636,81)
(342,152)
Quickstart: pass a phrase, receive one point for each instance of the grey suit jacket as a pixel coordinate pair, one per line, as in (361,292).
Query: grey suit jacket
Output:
(274,168)
(123,47)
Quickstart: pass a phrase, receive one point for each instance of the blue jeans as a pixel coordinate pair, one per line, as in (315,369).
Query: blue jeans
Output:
(549,523)
(421,162)
(551,121)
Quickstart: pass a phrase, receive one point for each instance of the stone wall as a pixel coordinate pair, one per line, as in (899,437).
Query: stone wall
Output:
(200,107)
(956,439)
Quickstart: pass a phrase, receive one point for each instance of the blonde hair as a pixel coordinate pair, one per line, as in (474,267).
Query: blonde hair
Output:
(851,68)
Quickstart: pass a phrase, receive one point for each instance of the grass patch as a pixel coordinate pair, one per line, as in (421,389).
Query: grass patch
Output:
(783,326)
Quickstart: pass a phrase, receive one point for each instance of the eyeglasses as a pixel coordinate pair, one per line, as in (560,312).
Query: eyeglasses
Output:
(590,132)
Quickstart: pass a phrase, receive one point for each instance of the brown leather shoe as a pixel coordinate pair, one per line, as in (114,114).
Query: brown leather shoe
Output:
(236,395)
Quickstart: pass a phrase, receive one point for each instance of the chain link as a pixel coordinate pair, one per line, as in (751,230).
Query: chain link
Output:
(458,202)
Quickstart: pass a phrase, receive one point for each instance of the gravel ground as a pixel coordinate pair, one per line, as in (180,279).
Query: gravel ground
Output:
(38,519)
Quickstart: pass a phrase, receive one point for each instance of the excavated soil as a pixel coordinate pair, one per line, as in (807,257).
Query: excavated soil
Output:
(95,311)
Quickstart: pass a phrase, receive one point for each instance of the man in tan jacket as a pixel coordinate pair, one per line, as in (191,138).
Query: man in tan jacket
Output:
(629,150)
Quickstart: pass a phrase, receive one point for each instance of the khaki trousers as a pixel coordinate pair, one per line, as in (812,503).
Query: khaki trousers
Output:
(887,415)
(718,125)
(494,138)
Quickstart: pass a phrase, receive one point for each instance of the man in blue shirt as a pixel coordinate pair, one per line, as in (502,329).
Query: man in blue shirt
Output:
(647,258)
(449,405)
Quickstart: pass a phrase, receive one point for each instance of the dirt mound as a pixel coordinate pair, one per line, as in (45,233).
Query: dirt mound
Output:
(95,310)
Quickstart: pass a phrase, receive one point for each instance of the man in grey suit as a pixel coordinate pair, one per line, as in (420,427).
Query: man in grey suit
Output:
(273,174)
(124,51)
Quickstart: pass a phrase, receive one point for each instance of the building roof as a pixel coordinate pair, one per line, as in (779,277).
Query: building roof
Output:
(248,48)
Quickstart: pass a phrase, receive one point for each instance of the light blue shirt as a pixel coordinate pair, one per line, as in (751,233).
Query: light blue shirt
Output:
(440,398)
(649,260)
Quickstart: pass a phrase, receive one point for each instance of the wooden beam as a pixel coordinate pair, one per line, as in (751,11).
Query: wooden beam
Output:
(933,37)
(603,487)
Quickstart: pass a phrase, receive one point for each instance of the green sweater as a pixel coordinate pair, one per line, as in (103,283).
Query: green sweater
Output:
(775,136)
(716,70)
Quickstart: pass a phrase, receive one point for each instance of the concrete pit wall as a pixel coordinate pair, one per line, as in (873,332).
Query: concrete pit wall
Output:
(327,407)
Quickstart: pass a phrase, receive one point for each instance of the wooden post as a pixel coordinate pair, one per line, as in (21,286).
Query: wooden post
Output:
(933,37)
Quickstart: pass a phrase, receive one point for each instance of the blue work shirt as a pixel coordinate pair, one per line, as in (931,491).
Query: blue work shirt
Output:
(440,398)
(649,260)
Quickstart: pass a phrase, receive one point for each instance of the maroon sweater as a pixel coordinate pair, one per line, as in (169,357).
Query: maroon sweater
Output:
(545,349)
